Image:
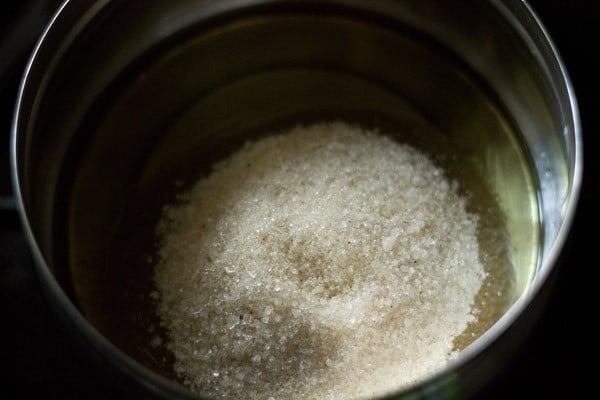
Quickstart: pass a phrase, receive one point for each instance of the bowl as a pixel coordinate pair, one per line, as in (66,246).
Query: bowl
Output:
(123,103)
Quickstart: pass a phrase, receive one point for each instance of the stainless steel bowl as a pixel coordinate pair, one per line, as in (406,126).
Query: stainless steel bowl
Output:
(111,103)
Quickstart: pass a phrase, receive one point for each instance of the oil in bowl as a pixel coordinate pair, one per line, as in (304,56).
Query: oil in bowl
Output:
(189,107)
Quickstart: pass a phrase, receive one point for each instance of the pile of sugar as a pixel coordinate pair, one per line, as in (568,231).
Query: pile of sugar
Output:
(328,262)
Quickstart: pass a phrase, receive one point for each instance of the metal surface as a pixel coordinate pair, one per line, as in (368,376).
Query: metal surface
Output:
(509,52)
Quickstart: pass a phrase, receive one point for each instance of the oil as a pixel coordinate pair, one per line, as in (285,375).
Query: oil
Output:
(151,137)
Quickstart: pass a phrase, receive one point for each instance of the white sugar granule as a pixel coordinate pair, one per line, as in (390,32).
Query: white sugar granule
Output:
(328,262)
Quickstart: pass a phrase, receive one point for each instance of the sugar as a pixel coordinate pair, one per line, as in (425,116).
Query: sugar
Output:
(326,262)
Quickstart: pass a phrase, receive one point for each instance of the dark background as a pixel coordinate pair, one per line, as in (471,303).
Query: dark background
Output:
(37,360)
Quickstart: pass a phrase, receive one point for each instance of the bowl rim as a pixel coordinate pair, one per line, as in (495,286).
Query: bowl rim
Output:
(525,22)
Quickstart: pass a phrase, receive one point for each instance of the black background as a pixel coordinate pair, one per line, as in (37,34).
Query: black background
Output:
(37,360)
